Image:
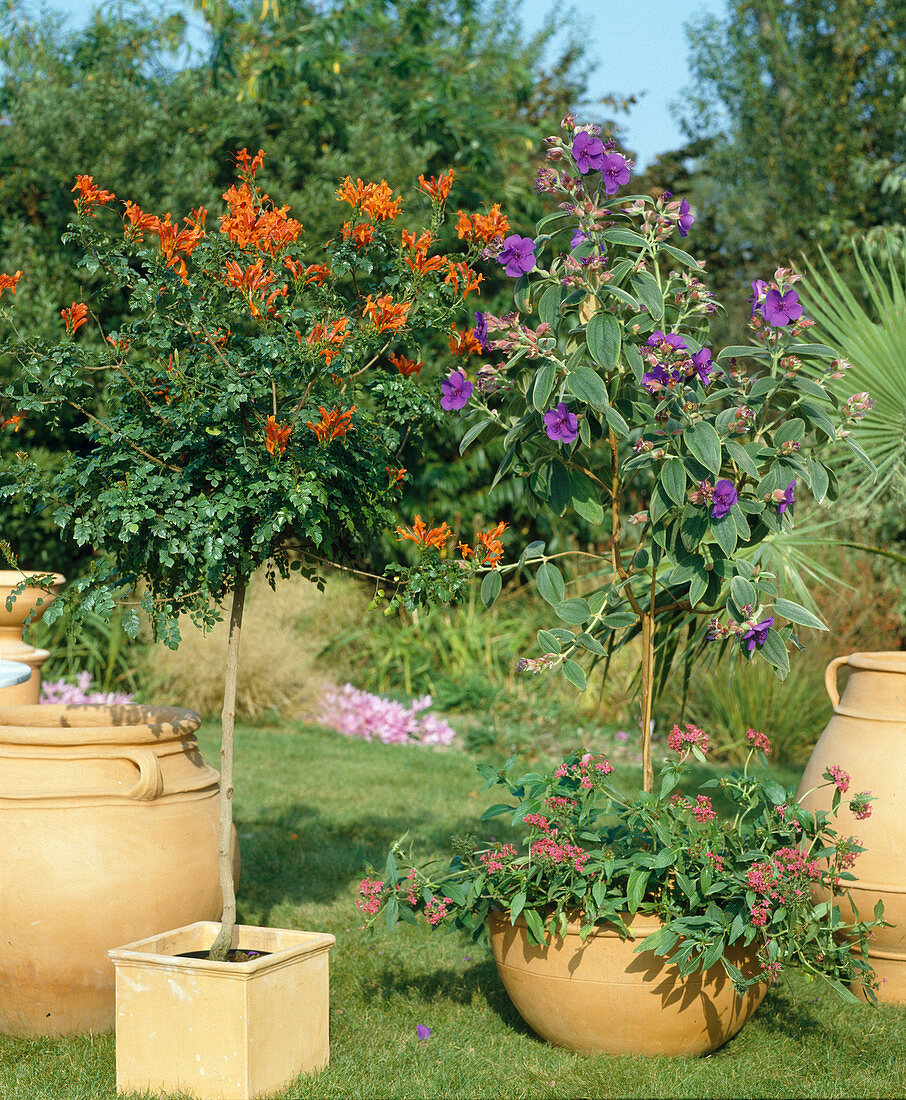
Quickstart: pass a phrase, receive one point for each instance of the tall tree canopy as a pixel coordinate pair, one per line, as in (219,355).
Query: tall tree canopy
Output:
(799,107)
(342,87)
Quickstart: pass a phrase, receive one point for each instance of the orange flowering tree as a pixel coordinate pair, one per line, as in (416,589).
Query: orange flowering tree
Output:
(254,402)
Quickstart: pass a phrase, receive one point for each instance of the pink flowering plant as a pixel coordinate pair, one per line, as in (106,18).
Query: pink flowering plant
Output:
(772,875)
(612,405)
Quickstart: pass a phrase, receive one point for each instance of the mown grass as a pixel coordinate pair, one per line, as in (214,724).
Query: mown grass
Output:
(312,809)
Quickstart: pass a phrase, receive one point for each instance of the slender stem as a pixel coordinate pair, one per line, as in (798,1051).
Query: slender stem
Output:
(647,697)
(128,442)
(224,939)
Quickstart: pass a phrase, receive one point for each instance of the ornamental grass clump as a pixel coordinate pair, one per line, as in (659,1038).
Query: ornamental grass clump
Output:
(249,409)
(580,850)
(611,405)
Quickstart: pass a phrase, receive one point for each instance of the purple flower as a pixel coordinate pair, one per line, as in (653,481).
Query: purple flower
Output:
(480,329)
(615,171)
(759,286)
(588,152)
(517,255)
(788,498)
(724,498)
(686,218)
(656,379)
(779,309)
(703,365)
(423,1032)
(757,635)
(578,238)
(673,339)
(455,391)
(561,425)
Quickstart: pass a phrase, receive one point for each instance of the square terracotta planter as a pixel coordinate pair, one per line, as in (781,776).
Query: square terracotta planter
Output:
(221,1031)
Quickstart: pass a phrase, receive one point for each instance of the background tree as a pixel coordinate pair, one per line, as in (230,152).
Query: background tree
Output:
(796,107)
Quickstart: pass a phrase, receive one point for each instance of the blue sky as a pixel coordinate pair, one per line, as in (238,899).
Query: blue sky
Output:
(639,46)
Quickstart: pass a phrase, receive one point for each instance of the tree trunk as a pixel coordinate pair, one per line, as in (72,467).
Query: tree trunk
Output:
(224,939)
(647,698)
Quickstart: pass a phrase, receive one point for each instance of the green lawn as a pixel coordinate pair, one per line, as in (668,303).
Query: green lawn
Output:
(345,801)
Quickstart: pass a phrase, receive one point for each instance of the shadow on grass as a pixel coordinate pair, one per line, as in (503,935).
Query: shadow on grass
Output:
(299,854)
(480,980)
(785,1014)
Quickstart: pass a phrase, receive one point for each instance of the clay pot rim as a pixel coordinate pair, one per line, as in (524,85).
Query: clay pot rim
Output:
(118,723)
(884,660)
(641,924)
(11,578)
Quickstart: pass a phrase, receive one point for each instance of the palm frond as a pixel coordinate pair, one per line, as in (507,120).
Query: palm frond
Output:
(872,338)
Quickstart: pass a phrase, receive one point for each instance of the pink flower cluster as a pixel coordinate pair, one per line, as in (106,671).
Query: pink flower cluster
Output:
(703,810)
(548,847)
(370,900)
(839,776)
(785,878)
(436,910)
(411,895)
(681,741)
(357,713)
(758,914)
(59,691)
(591,769)
(759,741)
(495,861)
(716,861)
(555,802)
(551,847)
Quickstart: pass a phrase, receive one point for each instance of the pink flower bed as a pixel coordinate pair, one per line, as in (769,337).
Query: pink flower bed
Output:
(59,691)
(360,714)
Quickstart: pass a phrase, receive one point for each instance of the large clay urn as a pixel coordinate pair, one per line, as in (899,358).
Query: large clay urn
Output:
(600,997)
(108,834)
(12,646)
(866,737)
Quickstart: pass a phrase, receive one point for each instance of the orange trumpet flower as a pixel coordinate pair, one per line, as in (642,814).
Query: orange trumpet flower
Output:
(437,189)
(276,435)
(334,424)
(8,282)
(90,195)
(406,367)
(75,316)
(423,536)
(464,343)
(388,316)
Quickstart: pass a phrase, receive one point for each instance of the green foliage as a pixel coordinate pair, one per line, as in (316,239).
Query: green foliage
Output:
(431,85)
(592,854)
(103,648)
(868,325)
(249,400)
(661,431)
(728,699)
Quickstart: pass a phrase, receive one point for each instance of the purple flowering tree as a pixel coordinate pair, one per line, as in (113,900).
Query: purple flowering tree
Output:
(613,405)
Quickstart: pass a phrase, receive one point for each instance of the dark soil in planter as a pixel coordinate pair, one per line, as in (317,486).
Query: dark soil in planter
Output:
(234,955)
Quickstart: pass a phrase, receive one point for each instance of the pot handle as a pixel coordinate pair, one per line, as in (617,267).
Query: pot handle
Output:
(830,679)
(150,781)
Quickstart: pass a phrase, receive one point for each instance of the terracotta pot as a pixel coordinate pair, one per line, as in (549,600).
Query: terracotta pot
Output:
(12,646)
(601,998)
(108,829)
(865,736)
(221,1031)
